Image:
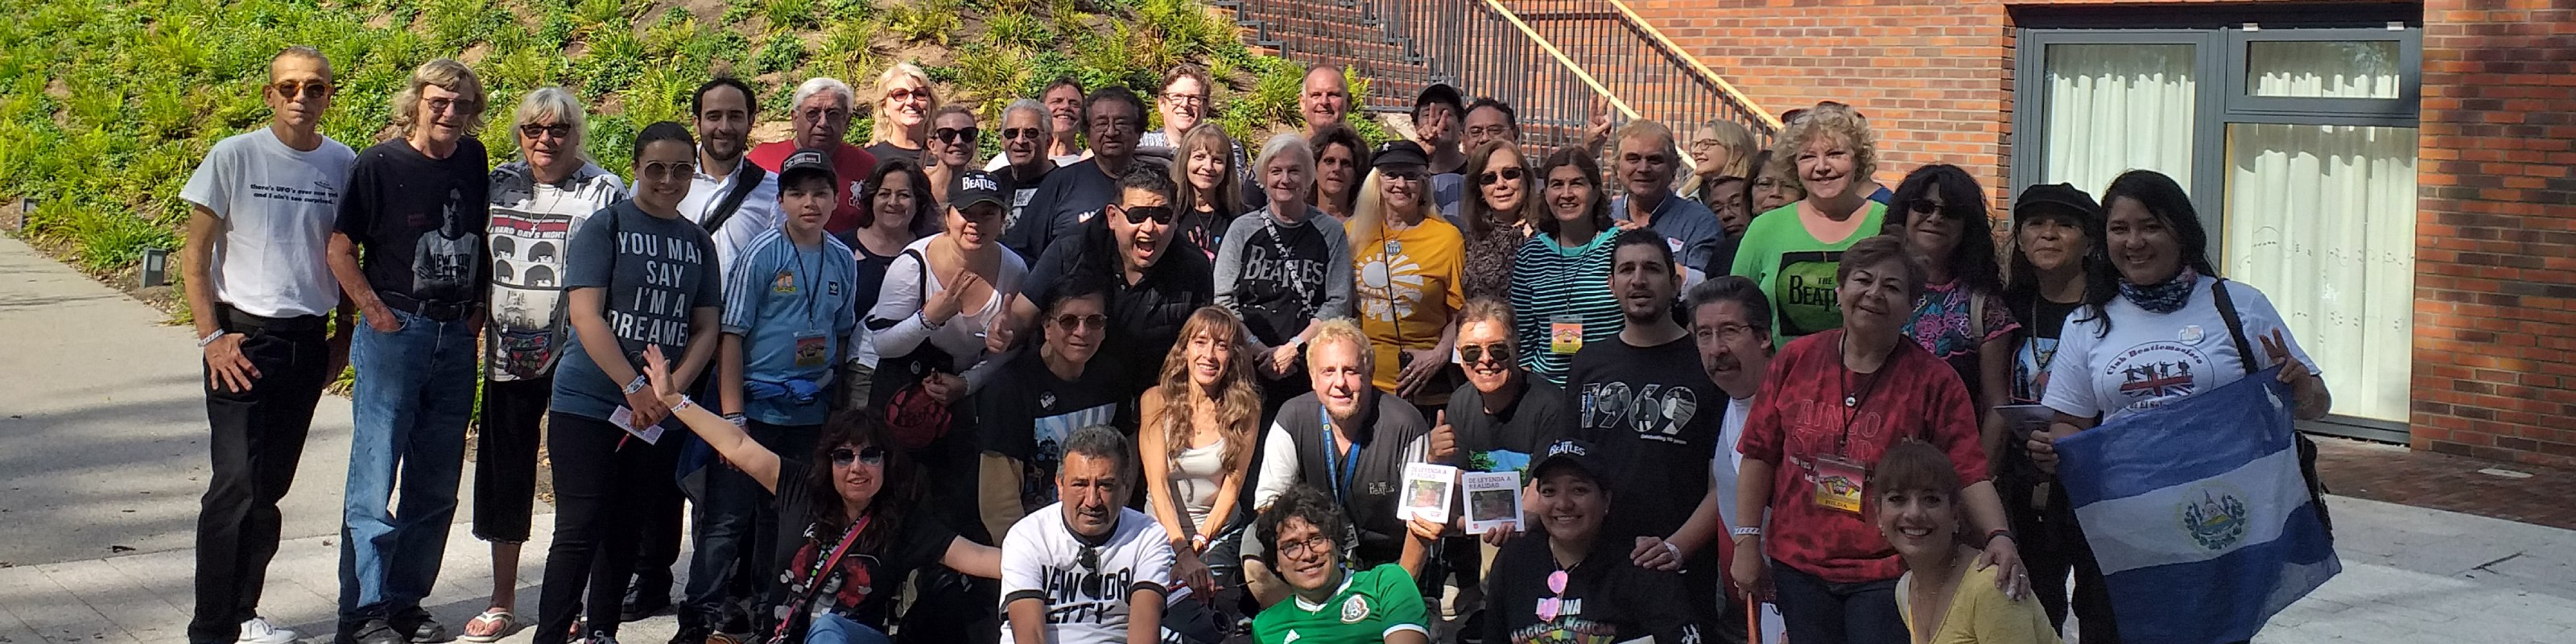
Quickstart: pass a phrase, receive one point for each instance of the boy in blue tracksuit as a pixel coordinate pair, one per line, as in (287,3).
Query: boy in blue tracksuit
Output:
(789,316)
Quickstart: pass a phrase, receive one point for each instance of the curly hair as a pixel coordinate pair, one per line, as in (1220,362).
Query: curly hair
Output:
(857,430)
(1349,139)
(1832,124)
(1238,402)
(449,75)
(922,216)
(1341,330)
(1299,502)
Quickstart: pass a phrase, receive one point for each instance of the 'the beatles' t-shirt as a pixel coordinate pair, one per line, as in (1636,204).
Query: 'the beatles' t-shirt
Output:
(656,272)
(1796,270)
(420,220)
(532,223)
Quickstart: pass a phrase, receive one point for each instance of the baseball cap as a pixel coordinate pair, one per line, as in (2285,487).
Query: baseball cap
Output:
(1399,153)
(807,161)
(1443,94)
(2064,196)
(1571,452)
(973,186)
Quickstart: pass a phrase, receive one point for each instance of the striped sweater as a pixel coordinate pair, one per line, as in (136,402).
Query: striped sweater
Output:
(1550,282)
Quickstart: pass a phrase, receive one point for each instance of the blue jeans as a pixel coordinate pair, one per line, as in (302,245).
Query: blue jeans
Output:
(415,390)
(835,629)
(1824,612)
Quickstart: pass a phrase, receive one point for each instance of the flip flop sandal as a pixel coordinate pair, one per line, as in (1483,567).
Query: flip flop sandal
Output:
(501,622)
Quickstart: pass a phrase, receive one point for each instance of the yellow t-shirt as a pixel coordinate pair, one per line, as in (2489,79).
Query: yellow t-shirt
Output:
(1409,288)
(1980,614)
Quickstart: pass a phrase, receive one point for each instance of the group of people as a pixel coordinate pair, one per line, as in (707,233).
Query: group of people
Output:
(1119,385)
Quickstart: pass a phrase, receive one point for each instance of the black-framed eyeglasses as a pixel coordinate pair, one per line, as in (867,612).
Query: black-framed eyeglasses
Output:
(1186,99)
(309,89)
(1475,353)
(556,130)
(957,134)
(872,455)
(1015,133)
(1073,322)
(1491,177)
(1925,206)
(1138,214)
(1315,544)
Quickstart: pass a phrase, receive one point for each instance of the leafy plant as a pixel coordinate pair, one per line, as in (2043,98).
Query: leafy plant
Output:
(782,53)
(1016,29)
(788,14)
(925,21)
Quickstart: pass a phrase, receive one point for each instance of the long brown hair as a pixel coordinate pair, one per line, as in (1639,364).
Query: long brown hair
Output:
(1228,193)
(1472,210)
(1238,404)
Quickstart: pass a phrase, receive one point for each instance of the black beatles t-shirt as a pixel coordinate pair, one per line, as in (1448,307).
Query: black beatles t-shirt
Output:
(1657,415)
(1066,199)
(864,585)
(1504,442)
(1145,318)
(1607,598)
(420,220)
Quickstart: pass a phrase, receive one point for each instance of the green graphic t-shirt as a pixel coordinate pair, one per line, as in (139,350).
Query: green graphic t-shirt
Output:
(1370,604)
(1796,270)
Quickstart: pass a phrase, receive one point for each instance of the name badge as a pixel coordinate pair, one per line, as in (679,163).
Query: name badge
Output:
(1565,335)
(812,350)
(1838,483)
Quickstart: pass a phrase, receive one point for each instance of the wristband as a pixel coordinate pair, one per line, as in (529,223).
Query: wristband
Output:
(638,385)
(1676,550)
(1745,531)
(739,422)
(924,316)
(210,338)
(684,403)
(1198,542)
(2000,532)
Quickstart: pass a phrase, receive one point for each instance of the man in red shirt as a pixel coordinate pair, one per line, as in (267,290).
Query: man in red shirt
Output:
(821,115)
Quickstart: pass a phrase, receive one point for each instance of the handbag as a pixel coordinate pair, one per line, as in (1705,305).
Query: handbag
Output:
(916,418)
(2307,448)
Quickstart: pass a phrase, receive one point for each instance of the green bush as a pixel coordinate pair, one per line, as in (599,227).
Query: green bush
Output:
(785,15)
(783,52)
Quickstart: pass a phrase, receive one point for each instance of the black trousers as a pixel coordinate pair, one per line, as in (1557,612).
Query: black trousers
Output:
(505,457)
(737,531)
(603,478)
(255,442)
(2055,547)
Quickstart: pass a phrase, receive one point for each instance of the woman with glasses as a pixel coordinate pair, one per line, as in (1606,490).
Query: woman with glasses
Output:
(953,141)
(1410,264)
(1961,317)
(846,512)
(1206,169)
(905,102)
(1497,219)
(1578,583)
(1560,289)
(1197,437)
(537,203)
(1770,188)
(1302,531)
(1718,149)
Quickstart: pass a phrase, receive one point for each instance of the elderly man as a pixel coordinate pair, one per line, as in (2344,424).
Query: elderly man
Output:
(1489,120)
(1643,166)
(416,207)
(1062,143)
(1024,135)
(820,112)
(1088,570)
(1324,99)
(259,290)
(1112,118)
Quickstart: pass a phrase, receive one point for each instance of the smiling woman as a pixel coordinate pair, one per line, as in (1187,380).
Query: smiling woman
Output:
(1793,253)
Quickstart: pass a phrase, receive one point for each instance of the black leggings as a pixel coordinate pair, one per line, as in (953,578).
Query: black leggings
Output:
(604,478)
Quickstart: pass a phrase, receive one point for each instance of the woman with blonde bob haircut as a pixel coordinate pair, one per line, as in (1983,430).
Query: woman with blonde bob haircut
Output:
(1200,428)
(1830,153)
(905,102)
(1719,148)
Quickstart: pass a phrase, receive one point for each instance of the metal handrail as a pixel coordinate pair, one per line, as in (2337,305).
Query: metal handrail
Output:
(1561,58)
(1742,102)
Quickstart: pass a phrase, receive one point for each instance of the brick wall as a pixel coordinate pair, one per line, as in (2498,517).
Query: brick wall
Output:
(2495,348)
(2495,287)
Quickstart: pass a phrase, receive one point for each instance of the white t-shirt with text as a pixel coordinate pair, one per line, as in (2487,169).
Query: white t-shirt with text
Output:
(2151,359)
(1043,560)
(277,205)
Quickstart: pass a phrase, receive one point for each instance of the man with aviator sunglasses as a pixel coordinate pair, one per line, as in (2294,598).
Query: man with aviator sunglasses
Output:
(1156,278)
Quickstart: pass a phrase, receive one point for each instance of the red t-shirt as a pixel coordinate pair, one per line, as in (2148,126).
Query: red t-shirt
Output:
(852,165)
(1799,415)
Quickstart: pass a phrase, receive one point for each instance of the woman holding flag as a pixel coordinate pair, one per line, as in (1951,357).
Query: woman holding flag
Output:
(1832,405)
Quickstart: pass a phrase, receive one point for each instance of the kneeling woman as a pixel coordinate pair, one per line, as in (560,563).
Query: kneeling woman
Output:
(1944,596)
(1576,585)
(851,552)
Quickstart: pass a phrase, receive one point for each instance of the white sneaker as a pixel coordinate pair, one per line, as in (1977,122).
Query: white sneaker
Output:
(257,630)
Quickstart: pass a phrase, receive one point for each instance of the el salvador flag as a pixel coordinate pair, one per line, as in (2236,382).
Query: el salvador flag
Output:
(2198,515)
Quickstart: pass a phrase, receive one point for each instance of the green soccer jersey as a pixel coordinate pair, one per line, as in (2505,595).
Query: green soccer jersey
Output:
(1369,605)
(1796,270)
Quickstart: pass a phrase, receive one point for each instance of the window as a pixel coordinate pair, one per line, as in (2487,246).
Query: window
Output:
(2298,145)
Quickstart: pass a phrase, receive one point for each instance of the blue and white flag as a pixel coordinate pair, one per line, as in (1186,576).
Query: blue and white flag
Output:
(2198,515)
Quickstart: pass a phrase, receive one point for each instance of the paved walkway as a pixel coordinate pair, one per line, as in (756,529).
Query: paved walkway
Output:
(101,461)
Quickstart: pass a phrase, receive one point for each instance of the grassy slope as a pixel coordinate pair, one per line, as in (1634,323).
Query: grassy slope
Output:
(106,106)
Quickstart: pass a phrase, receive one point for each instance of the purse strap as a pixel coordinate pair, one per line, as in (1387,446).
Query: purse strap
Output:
(814,577)
(2235,325)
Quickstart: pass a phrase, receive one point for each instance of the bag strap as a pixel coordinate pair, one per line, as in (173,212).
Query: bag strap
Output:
(814,579)
(749,179)
(2235,325)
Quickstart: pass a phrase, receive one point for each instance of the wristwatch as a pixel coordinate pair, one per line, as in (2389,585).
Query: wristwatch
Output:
(638,385)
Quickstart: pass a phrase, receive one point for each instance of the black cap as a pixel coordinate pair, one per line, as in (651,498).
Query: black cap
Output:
(1398,153)
(807,161)
(972,186)
(2064,196)
(1570,452)
(1443,94)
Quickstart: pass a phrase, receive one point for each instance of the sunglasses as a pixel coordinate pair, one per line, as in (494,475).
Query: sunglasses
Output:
(872,455)
(957,134)
(1077,322)
(557,130)
(454,106)
(1403,175)
(1491,177)
(1089,559)
(310,89)
(906,95)
(1925,206)
(1138,215)
(667,170)
(1472,353)
(1023,132)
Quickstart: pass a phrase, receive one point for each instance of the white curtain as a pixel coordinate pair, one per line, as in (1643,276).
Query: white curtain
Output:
(2117,107)
(2322,69)
(2322,219)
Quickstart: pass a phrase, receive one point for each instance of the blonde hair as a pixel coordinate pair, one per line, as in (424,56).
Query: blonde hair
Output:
(1342,330)
(449,75)
(1238,403)
(1836,124)
(1368,218)
(556,103)
(1739,152)
(880,125)
(1486,309)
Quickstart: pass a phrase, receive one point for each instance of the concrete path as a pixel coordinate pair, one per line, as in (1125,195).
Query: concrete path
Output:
(102,424)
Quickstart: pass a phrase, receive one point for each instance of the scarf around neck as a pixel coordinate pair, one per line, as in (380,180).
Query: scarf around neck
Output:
(2166,297)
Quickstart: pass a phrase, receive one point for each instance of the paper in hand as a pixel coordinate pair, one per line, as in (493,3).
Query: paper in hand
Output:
(624,419)
(1426,492)
(1493,501)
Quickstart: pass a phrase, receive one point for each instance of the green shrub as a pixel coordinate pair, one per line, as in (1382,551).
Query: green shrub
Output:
(1016,29)
(784,15)
(925,21)
(782,53)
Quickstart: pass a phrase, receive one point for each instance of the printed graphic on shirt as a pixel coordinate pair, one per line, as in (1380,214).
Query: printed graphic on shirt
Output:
(443,260)
(1569,627)
(1076,594)
(2030,369)
(850,582)
(1391,286)
(657,310)
(1654,412)
(323,192)
(1804,291)
(2154,372)
(526,248)
(1037,477)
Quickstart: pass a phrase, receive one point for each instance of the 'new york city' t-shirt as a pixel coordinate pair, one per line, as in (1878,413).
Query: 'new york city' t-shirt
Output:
(1042,559)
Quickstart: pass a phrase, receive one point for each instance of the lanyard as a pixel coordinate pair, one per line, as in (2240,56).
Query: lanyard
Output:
(1852,403)
(1339,469)
(813,280)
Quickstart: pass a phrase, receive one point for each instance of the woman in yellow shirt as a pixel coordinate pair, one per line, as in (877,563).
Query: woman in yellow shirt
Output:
(1410,265)
(1943,597)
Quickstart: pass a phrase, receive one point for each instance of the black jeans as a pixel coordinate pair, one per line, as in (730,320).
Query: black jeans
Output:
(257,438)
(1824,612)
(603,479)
(2056,546)
(505,457)
(737,531)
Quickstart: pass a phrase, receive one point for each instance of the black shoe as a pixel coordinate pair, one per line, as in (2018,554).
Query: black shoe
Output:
(599,638)
(641,603)
(420,628)
(692,635)
(377,631)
